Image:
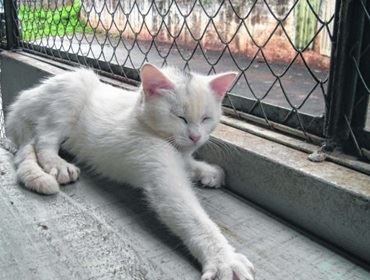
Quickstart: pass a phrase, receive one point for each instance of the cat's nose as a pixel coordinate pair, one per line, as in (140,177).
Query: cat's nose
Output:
(194,137)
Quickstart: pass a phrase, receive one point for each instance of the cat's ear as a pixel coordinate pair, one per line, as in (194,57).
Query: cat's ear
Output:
(153,80)
(219,84)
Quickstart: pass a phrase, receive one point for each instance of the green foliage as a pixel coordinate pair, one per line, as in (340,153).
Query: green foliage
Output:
(306,22)
(37,22)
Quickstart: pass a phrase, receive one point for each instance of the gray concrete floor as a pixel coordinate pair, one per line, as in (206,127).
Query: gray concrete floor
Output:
(96,229)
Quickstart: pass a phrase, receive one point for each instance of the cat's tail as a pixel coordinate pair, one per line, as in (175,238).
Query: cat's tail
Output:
(31,174)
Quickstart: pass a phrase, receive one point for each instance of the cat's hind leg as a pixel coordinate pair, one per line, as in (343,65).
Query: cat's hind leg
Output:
(50,134)
(47,147)
(52,163)
(31,174)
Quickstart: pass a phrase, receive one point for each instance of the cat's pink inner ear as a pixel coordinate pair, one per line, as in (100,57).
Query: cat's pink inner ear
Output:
(153,80)
(221,83)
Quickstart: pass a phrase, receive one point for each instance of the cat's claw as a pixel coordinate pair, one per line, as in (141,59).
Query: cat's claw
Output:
(235,267)
(65,172)
(211,176)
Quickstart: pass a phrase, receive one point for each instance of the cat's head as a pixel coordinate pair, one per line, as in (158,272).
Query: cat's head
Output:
(182,107)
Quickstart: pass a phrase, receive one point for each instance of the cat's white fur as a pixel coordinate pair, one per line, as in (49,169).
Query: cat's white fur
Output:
(144,138)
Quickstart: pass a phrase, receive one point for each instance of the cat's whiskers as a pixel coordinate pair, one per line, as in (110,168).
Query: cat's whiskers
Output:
(220,147)
(171,140)
(175,143)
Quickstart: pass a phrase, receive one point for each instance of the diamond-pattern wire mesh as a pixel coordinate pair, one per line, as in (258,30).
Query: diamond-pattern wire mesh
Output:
(280,48)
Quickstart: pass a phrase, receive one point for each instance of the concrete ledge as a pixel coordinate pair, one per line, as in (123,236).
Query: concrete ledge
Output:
(328,200)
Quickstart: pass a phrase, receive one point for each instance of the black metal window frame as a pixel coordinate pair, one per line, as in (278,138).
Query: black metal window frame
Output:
(343,125)
(348,89)
(3,43)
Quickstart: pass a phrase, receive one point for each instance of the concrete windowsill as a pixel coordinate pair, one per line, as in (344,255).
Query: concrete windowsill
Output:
(96,229)
(327,200)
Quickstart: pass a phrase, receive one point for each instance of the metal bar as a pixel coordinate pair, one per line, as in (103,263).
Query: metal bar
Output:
(11,23)
(362,92)
(312,124)
(128,75)
(349,26)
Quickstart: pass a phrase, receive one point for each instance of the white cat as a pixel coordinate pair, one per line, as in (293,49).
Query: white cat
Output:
(144,138)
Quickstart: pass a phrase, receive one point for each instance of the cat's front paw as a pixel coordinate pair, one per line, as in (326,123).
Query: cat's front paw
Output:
(65,173)
(233,267)
(211,176)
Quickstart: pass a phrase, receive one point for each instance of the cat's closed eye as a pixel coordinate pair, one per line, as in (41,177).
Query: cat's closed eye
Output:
(183,119)
(206,118)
